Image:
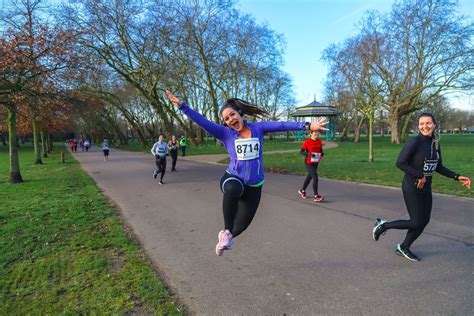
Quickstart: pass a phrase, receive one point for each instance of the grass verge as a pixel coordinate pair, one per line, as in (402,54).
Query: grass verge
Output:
(64,250)
(349,162)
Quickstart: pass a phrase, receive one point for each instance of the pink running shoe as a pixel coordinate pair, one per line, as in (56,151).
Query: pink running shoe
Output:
(227,240)
(318,198)
(303,194)
(219,249)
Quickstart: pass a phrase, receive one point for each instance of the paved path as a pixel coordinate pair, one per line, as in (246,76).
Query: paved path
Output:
(297,257)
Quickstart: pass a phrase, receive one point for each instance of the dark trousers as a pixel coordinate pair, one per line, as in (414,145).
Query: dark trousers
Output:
(174,159)
(312,175)
(183,151)
(161,166)
(239,204)
(419,206)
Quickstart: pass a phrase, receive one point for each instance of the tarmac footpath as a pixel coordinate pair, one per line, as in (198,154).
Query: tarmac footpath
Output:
(297,256)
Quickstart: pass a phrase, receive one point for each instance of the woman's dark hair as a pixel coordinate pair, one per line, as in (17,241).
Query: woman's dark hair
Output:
(428,114)
(243,107)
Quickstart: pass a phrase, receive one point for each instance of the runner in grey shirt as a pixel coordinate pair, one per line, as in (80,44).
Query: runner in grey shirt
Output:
(160,151)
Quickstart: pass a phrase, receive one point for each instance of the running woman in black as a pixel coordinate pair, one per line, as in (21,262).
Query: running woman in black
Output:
(419,158)
(173,146)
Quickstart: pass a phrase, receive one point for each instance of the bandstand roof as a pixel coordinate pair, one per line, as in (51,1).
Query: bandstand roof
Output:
(316,108)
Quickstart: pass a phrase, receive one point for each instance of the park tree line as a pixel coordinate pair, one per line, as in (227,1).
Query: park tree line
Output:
(35,55)
(399,63)
(204,51)
(101,68)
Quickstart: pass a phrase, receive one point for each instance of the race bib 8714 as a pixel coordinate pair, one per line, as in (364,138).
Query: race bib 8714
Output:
(247,148)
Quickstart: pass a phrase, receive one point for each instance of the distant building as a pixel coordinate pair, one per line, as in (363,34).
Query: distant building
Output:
(316,109)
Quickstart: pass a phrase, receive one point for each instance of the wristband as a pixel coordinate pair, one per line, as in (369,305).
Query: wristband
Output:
(307,125)
(456,177)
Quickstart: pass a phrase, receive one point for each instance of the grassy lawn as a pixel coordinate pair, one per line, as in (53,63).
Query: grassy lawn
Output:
(210,147)
(63,249)
(349,162)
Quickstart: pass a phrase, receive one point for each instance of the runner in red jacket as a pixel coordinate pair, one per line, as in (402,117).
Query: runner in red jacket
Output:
(312,149)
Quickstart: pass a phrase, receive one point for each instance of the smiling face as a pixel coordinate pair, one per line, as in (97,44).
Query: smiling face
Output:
(426,125)
(233,119)
(314,135)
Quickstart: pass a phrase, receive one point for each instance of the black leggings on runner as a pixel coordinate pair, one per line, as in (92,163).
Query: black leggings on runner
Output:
(174,158)
(312,174)
(239,204)
(161,166)
(419,208)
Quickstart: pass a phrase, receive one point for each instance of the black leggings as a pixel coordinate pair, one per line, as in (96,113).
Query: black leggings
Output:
(312,174)
(174,158)
(419,208)
(239,204)
(161,166)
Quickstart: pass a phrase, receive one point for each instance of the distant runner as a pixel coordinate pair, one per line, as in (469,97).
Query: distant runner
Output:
(312,149)
(160,151)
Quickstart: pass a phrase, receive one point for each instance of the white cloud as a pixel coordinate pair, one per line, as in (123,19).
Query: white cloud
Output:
(461,101)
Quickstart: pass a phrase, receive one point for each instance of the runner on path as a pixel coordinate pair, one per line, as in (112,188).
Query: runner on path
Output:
(243,180)
(312,149)
(105,149)
(173,146)
(419,158)
(160,151)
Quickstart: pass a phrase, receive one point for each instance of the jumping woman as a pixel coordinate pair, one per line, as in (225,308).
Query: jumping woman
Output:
(419,158)
(243,180)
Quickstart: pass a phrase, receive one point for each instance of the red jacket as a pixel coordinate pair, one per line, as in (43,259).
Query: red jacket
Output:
(313,150)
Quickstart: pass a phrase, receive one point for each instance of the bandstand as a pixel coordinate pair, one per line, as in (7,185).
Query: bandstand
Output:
(316,109)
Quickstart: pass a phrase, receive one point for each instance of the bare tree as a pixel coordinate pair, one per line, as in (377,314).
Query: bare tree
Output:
(424,49)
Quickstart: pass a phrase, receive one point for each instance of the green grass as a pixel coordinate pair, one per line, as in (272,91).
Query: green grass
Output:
(349,162)
(209,147)
(63,249)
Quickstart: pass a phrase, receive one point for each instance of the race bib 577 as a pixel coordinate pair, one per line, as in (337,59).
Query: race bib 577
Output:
(430,166)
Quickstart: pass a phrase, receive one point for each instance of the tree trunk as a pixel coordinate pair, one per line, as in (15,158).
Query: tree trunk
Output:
(49,142)
(406,127)
(15,175)
(357,130)
(44,146)
(141,135)
(36,144)
(394,127)
(370,136)
(382,126)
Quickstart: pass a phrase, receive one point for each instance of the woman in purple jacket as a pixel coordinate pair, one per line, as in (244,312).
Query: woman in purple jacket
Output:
(243,180)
